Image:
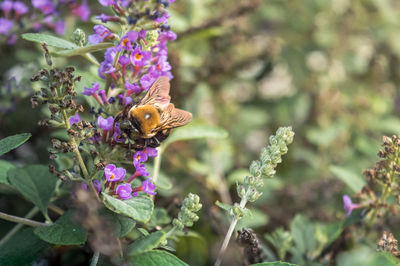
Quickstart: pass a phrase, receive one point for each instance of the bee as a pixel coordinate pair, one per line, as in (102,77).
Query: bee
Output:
(149,121)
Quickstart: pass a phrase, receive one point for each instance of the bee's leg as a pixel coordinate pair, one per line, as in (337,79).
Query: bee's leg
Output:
(154,142)
(140,144)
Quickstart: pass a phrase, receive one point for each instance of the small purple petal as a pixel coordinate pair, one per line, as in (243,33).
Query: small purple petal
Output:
(74,119)
(20,8)
(149,187)
(5,26)
(151,152)
(105,124)
(124,191)
(92,90)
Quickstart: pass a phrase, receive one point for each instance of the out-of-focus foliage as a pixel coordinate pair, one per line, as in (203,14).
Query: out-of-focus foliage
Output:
(330,69)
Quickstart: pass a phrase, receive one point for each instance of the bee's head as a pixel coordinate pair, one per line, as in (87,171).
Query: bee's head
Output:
(147,118)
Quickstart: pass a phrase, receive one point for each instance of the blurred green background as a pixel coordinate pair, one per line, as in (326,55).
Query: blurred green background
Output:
(328,68)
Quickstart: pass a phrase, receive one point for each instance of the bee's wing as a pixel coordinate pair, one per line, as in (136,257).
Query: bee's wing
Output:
(173,117)
(158,94)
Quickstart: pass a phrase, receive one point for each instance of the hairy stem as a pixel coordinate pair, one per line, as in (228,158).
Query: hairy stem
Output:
(157,165)
(229,234)
(20,220)
(95,258)
(79,157)
(18,227)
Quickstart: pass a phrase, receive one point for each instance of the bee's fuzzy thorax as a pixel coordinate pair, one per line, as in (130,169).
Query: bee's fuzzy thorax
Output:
(148,116)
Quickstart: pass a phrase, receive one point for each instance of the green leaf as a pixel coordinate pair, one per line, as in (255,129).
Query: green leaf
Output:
(274,263)
(325,234)
(192,247)
(65,231)
(22,249)
(302,231)
(352,180)
(121,224)
(159,217)
(34,182)
(196,131)
(253,218)
(12,142)
(366,256)
(49,39)
(156,258)
(85,49)
(138,208)
(146,243)
(4,167)
(223,206)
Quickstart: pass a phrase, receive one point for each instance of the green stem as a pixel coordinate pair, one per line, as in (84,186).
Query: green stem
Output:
(91,58)
(229,233)
(21,220)
(170,232)
(157,165)
(79,157)
(18,227)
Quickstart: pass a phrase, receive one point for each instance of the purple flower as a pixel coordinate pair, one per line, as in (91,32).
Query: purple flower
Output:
(142,34)
(100,33)
(20,8)
(5,26)
(46,6)
(163,19)
(124,191)
(167,36)
(132,88)
(107,68)
(140,156)
(139,57)
(151,152)
(102,94)
(114,174)
(59,27)
(147,187)
(124,60)
(117,134)
(146,81)
(6,6)
(82,11)
(92,90)
(349,206)
(12,39)
(96,184)
(140,168)
(105,124)
(74,119)
(128,39)
(127,100)
(104,18)
(106,2)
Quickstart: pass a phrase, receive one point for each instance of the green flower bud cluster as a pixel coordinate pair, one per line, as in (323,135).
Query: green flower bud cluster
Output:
(79,37)
(265,167)
(151,40)
(272,155)
(187,216)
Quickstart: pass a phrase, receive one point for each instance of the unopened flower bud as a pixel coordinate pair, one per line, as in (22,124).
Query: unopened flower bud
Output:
(79,37)
(241,191)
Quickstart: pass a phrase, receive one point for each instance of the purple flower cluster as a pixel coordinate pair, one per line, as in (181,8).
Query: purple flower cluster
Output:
(124,190)
(43,14)
(139,57)
(140,157)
